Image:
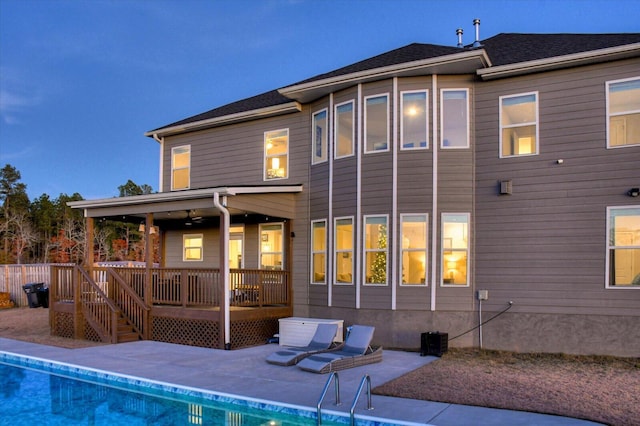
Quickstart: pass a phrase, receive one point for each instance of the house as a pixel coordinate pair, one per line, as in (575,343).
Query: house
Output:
(419,190)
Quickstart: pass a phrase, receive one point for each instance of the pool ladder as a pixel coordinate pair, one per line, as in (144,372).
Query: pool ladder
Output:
(366,380)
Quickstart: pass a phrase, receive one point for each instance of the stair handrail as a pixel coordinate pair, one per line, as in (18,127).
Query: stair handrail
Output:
(127,288)
(110,331)
(365,379)
(333,375)
(139,328)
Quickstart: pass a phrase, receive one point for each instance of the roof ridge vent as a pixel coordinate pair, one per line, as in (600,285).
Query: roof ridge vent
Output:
(476,23)
(459,34)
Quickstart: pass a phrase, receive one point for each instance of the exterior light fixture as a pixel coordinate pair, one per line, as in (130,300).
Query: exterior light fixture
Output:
(633,192)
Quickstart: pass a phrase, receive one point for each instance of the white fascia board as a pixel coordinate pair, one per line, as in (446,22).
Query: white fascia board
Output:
(465,62)
(547,64)
(190,194)
(228,119)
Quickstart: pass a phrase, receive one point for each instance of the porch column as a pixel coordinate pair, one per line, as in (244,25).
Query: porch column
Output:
(89,249)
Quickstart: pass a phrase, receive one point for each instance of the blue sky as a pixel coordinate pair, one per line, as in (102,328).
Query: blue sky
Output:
(81,81)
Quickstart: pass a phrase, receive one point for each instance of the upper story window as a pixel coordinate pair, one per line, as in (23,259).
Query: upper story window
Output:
(276,154)
(319,137)
(192,245)
(343,250)
(623,247)
(375,249)
(455,249)
(376,123)
(344,128)
(271,246)
(623,112)
(454,118)
(180,167)
(319,252)
(414,126)
(413,252)
(519,125)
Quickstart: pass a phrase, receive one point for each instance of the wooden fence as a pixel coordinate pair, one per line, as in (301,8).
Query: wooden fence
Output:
(14,277)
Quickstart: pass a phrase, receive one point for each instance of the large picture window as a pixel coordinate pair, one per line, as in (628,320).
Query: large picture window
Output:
(192,247)
(455,249)
(319,137)
(623,111)
(276,154)
(414,126)
(376,123)
(344,129)
(413,252)
(519,125)
(319,252)
(180,167)
(375,249)
(455,118)
(623,247)
(343,252)
(271,246)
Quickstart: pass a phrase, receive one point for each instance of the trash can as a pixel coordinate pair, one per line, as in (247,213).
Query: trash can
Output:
(32,291)
(43,296)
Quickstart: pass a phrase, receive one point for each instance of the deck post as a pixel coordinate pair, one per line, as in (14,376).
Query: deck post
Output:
(148,284)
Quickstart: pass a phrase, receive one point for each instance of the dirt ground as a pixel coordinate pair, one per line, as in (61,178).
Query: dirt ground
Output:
(600,389)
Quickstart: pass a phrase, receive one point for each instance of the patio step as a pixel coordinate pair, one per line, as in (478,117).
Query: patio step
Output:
(126,333)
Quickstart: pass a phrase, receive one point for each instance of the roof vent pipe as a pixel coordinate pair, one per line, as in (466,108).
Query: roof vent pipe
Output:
(459,34)
(476,23)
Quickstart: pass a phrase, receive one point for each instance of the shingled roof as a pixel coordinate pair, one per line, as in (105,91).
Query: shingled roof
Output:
(502,49)
(509,48)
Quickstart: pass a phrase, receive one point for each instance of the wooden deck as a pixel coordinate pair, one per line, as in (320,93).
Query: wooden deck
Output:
(182,306)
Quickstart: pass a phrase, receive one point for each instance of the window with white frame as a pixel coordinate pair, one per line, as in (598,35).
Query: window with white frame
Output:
(376,123)
(454,120)
(319,252)
(519,125)
(192,245)
(414,126)
(623,112)
(343,250)
(271,246)
(276,154)
(413,251)
(344,130)
(180,167)
(623,247)
(375,250)
(455,249)
(319,137)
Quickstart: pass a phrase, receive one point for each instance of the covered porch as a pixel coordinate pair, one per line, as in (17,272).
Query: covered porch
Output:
(231,296)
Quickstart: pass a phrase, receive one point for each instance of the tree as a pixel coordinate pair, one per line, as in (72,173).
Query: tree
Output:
(15,201)
(131,188)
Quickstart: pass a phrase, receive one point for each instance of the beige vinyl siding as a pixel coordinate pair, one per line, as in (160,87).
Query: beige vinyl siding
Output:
(210,249)
(234,154)
(544,246)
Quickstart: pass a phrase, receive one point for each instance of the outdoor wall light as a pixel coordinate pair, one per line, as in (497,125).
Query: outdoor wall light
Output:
(633,192)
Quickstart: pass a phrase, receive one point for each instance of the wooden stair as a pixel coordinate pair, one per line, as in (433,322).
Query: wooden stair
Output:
(126,332)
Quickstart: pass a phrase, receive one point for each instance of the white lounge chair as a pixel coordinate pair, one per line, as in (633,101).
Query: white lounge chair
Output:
(355,351)
(321,341)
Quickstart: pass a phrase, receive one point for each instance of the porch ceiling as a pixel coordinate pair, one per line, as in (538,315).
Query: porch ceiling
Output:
(273,201)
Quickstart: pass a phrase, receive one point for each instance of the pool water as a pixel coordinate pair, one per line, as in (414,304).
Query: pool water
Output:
(33,396)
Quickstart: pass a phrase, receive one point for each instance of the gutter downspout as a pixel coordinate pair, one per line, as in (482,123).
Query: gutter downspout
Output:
(224,265)
(160,140)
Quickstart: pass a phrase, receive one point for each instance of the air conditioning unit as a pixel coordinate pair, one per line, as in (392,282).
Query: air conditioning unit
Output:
(434,343)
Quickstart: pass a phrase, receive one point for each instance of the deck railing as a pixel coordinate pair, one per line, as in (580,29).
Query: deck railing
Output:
(186,287)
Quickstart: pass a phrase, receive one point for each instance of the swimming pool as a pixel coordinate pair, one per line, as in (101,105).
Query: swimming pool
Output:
(38,391)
